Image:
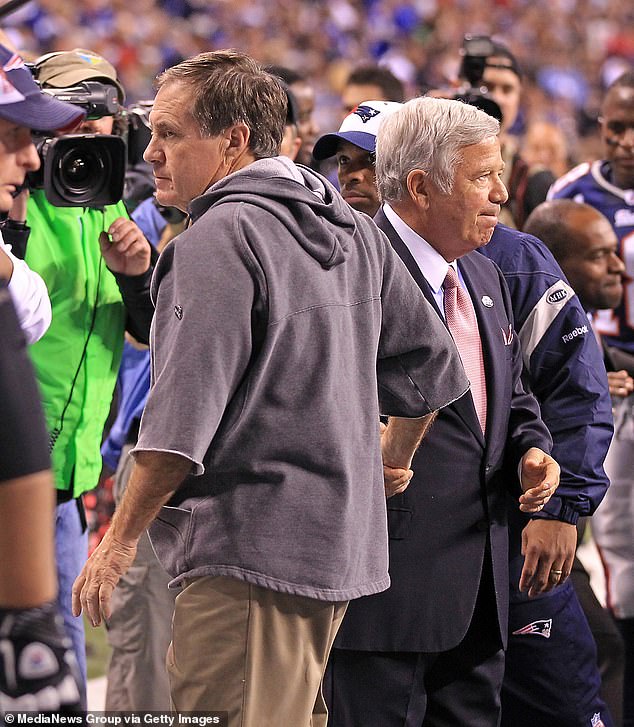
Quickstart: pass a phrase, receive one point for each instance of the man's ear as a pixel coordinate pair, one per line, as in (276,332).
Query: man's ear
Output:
(236,142)
(418,188)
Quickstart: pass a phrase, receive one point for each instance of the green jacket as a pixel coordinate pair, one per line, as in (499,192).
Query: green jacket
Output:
(88,313)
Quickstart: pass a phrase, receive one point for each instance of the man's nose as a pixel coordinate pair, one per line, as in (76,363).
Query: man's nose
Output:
(616,265)
(150,153)
(628,137)
(499,193)
(28,157)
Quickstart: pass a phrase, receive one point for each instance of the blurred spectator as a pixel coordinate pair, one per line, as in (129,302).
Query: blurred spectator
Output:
(607,185)
(325,39)
(370,81)
(545,147)
(304,97)
(527,186)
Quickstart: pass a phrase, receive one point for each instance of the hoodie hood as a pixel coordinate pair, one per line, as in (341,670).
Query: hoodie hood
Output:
(304,201)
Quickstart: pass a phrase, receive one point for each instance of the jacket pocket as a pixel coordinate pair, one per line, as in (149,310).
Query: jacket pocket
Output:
(398,522)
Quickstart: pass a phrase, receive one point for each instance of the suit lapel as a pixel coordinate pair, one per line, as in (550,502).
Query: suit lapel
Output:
(406,256)
(464,405)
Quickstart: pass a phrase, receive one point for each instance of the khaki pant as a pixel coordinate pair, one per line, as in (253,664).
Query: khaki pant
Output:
(257,654)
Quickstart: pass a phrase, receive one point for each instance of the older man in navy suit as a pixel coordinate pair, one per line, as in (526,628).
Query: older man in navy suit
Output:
(429,651)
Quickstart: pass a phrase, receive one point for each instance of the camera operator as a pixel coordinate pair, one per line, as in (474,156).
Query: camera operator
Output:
(77,250)
(491,64)
(36,655)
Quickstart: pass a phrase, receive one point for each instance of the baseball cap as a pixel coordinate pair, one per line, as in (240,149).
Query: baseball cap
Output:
(23,102)
(502,51)
(360,128)
(64,69)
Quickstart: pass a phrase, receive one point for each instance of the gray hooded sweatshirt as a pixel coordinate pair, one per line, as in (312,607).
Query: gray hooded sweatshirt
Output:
(275,311)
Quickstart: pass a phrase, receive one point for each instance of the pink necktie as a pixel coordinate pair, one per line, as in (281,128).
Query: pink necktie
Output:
(461,321)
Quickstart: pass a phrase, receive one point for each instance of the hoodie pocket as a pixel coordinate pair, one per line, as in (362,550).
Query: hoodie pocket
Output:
(168,535)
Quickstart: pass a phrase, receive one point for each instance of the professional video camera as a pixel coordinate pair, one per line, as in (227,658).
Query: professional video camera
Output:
(475,51)
(82,170)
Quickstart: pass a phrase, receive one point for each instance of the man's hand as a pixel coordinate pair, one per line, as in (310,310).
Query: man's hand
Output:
(620,383)
(18,209)
(539,475)
(101,573)
(125,248)
(396,480)
(38,669)
(548,547)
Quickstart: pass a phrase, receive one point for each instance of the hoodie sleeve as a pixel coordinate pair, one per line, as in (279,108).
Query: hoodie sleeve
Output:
(419,368)
(200,340)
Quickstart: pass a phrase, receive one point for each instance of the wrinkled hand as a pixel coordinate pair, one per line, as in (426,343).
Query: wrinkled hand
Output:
(548,546)
(396,480)
(620,383)
(101,573)
(539,475)
(38,669)
(125,248)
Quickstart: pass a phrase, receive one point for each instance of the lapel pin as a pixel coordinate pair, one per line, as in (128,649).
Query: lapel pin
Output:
(487,302)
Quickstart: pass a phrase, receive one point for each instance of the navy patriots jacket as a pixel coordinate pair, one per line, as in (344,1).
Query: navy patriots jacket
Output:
(563,367)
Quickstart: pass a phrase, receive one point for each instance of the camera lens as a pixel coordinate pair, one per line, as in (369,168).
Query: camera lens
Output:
(82,173)
(77,169)
(83,170)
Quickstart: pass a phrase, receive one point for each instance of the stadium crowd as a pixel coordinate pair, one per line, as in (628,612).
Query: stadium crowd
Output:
(569,51)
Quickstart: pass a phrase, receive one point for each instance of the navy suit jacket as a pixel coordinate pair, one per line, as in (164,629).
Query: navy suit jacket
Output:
(455,505)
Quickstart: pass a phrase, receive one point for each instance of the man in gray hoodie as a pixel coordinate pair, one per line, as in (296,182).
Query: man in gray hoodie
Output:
(284,324)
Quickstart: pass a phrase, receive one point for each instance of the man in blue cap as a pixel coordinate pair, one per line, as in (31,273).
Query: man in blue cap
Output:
(22,107)
(353,145)
(37,665)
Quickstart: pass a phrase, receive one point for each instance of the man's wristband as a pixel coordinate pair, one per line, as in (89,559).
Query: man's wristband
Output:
(10,224)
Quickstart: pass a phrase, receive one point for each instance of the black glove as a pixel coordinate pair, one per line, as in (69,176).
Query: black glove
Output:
(38,669)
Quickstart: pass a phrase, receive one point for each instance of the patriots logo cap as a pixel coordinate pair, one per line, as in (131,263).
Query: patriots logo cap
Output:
(360,128)
(22,101)
(365,113)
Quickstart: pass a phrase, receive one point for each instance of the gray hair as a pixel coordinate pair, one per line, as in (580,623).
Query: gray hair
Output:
(229,87)
(427,134)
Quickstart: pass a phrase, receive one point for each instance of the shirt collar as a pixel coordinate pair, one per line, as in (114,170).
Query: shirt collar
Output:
(432,264)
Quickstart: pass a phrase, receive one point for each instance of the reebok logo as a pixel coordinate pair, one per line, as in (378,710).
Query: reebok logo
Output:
(578,331)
